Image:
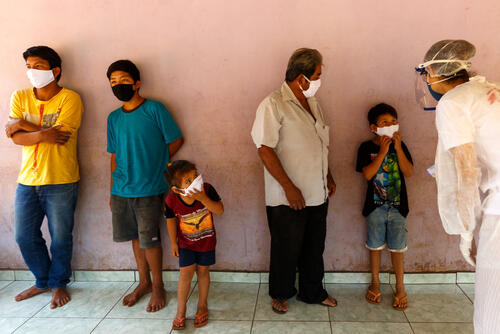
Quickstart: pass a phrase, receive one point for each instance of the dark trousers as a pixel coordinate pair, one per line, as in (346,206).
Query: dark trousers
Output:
(297,240)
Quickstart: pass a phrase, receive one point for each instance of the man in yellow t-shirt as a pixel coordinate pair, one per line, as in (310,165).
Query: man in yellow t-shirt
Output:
(45,121)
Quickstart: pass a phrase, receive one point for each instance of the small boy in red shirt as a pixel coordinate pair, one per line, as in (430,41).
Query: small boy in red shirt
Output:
(189,209)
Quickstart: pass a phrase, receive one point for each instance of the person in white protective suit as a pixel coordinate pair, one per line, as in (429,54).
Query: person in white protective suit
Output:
(468,166)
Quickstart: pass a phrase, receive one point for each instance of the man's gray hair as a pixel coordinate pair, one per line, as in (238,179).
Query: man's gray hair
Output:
(303,61)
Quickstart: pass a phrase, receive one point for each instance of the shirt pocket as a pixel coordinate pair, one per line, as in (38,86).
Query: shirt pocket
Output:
(323,133)
(49,120)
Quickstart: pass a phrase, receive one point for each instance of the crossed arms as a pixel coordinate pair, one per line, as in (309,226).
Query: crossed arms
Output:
(25,133)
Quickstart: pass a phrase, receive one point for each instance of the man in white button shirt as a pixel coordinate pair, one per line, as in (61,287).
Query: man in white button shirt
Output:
(292,140)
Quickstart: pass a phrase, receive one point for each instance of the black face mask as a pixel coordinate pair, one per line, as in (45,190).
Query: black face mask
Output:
(124,92)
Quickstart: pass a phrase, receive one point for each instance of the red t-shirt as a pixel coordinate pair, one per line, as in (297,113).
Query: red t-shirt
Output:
(195,227)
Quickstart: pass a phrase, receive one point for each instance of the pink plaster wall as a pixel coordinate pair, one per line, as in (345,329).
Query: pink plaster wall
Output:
(211,63)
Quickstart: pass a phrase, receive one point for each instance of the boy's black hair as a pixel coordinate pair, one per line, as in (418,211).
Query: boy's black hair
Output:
(176,169)
(124,65)
(45,53)
(379,110)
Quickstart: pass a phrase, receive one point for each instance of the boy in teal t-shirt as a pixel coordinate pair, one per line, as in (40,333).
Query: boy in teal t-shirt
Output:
(142,137)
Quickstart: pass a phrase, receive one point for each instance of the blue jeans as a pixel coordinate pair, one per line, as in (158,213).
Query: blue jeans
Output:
(385,225)
(31,205)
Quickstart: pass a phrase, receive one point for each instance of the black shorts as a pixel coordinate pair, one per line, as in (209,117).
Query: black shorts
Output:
(137,218)
(189,257)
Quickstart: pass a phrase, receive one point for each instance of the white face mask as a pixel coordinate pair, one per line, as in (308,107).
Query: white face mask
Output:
(195,185)
(313,87)
(388,130)
(40,78)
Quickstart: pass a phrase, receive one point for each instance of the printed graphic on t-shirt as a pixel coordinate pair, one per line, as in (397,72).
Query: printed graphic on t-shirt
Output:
(387,182)
(49,120)
(197,225)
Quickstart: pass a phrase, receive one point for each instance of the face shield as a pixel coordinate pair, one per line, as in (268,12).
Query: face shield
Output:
(426,97)
(423,96)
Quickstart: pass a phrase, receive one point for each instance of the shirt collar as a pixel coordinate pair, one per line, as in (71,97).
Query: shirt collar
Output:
(478,78)
(288,95)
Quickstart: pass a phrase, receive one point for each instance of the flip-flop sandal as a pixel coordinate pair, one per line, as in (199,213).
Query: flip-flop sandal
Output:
(375,296)
(281,301)
(396,302)
(198,322)
(179,324)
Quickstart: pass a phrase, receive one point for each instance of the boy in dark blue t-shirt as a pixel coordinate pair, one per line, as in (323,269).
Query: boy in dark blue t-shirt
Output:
(384,162)
(142,137)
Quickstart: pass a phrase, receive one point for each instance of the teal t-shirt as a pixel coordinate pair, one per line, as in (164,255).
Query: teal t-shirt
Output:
(140,139)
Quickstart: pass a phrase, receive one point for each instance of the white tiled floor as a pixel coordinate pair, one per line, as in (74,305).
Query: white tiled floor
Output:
(239,308)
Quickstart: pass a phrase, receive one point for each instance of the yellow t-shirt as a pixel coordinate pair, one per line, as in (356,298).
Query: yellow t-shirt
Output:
(46,163)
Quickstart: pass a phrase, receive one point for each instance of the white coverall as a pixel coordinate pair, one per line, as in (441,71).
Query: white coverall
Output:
(467,163)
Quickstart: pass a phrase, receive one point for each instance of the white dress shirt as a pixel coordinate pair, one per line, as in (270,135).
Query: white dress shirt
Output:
(300,142)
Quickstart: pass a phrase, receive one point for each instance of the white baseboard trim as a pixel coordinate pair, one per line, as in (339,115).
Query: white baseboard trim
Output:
(241,277)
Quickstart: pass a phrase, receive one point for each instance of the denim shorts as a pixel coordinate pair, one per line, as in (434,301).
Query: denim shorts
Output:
(189,257)
(137,218)
(386,226)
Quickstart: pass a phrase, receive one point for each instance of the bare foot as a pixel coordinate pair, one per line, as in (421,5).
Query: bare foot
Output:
(373,293)
(157,301)
(28,293)
(329,301)
(135,295)
(60,297)
(279,305)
